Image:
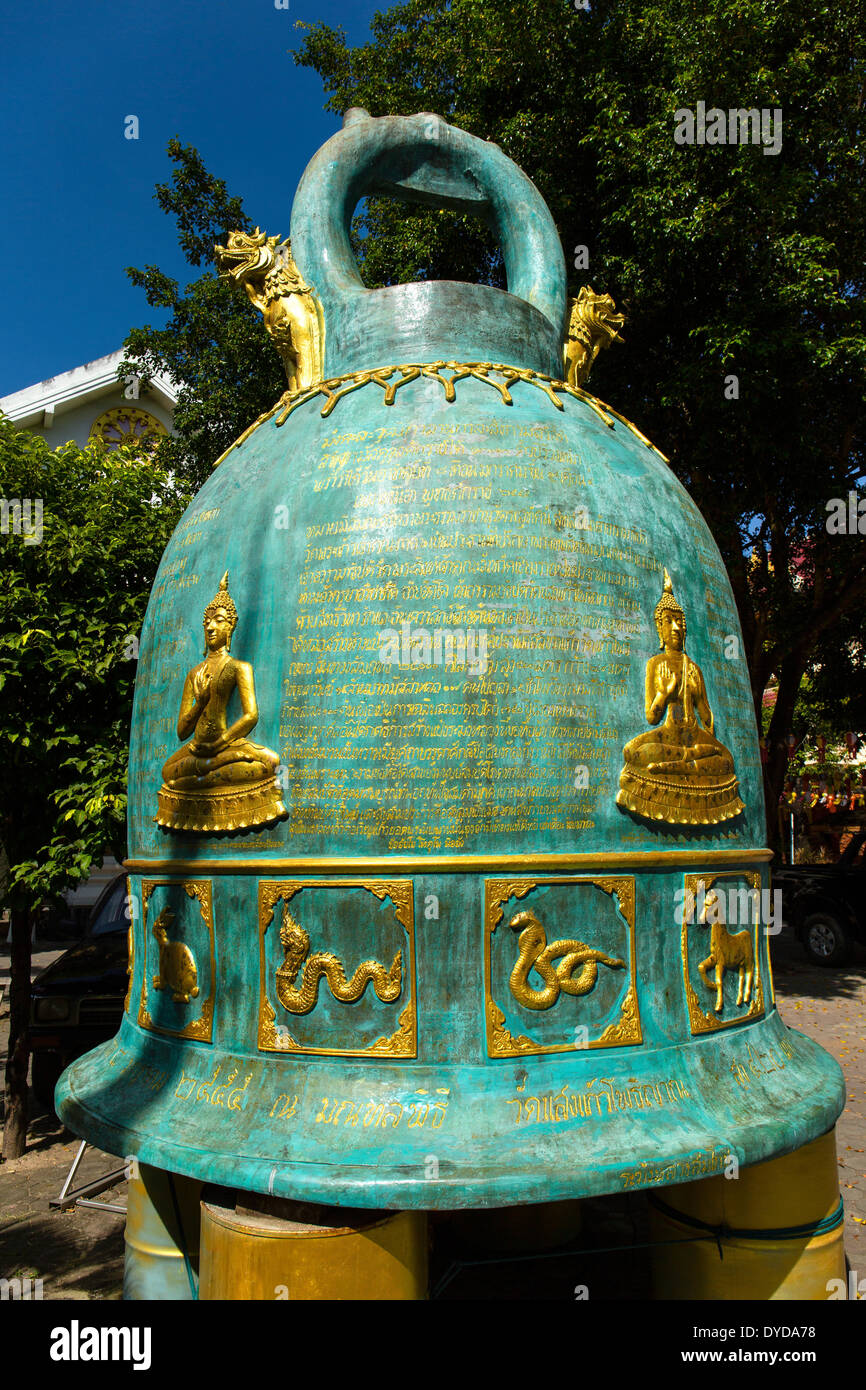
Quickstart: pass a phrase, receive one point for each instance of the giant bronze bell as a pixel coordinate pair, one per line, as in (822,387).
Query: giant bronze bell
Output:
(446,823)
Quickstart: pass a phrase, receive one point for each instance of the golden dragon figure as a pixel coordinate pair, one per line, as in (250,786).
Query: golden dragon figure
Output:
(266,269)
(296,944)
(535,953)
(594,324)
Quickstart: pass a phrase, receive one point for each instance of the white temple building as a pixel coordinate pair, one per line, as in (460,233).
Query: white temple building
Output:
(91,402)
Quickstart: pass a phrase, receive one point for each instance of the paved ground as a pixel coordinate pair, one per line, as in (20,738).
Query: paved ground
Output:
(830,1006)
(79,1254)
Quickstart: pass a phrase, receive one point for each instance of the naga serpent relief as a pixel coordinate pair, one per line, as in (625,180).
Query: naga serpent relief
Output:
(536,954)
(220,780)
(678,773)
(296,945)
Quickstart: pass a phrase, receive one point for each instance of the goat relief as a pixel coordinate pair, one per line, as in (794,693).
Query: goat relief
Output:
(720,962)
(727,952)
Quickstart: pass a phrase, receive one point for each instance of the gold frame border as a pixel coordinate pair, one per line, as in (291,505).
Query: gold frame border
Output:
(130,946)
(403,1043)
(201,1029)
(626,1032)
(455,863)
(699,1020)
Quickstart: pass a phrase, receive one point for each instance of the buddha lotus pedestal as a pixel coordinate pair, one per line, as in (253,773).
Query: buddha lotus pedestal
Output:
(480,920)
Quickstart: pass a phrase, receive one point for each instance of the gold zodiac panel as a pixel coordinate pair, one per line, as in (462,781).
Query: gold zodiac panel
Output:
(179,975)
(678,772)
(720,949)
(570,992)
(337,967)
(220,780)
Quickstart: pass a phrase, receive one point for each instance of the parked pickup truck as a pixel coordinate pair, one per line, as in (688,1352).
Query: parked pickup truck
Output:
(825,904)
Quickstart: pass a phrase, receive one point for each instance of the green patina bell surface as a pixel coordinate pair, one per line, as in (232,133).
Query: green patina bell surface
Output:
(446,828)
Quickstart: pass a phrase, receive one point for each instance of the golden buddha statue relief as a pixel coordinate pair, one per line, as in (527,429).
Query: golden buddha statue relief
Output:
(219,781)
(678,772)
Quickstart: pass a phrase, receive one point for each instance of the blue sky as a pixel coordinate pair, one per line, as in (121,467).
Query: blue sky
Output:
(78,196)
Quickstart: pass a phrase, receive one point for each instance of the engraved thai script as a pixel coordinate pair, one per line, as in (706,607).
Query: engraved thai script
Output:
(761,1061)
(699,1165)
(448,647)
(284,1107)
(139,1073)
(599,1097)
(414,1113)
(213,1091)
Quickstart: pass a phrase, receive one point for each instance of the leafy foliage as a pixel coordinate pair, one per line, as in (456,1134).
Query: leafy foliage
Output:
(71,607)
(214,343)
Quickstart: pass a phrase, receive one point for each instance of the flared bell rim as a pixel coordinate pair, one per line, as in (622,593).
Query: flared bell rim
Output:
(503,1163)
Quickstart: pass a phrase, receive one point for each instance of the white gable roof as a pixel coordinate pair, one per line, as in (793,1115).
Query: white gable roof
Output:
(40,403)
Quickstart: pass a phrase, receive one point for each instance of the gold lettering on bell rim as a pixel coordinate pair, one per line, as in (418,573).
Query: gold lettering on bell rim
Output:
(555,1106)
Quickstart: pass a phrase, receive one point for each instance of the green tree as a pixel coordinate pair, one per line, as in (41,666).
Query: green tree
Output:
(76,567)
(832,698)
(214,343)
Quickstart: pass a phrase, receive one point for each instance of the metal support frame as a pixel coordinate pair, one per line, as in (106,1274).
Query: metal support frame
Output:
(80,1196)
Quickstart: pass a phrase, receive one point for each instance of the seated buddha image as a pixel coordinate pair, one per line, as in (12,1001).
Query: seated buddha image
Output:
(677,772)
(220,780)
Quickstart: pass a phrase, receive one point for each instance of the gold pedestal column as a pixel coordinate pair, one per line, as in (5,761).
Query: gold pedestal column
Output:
(268,1248)
(161,1236)
(775,1231)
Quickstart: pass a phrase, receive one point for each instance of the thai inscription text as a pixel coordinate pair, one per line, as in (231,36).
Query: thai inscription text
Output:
(212,1092)
(412,1114)
(600,1097)
(432,525)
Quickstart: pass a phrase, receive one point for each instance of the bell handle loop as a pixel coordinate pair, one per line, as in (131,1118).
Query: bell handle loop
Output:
(423,159)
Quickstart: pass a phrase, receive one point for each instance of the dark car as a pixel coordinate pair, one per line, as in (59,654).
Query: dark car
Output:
(77,1001)
(825,904)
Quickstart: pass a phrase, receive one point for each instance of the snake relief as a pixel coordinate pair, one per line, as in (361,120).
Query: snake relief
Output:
(296,944)
(536,954)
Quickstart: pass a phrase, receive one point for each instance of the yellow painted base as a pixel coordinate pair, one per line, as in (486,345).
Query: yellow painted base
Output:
(791,1191)
(250,1255)
(154,1267)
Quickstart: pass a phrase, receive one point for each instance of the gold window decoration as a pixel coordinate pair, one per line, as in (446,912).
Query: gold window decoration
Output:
(126,425)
